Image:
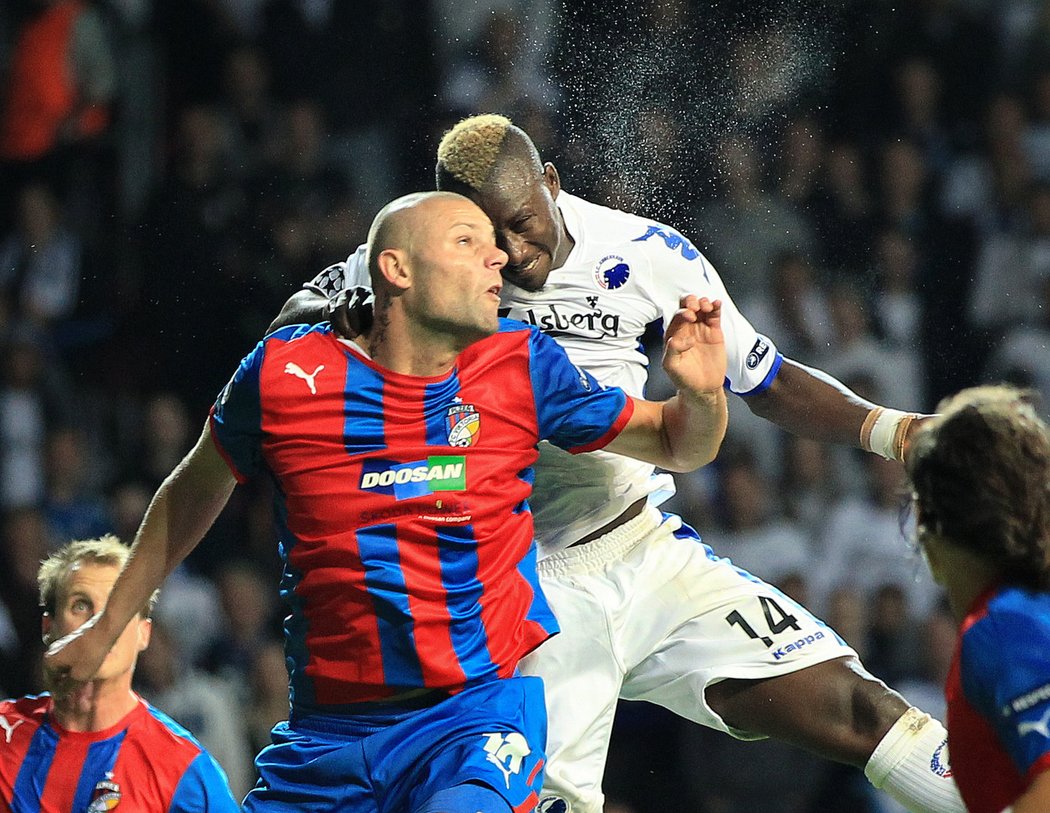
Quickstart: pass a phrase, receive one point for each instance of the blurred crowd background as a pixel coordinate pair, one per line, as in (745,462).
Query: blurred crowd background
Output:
(871,179)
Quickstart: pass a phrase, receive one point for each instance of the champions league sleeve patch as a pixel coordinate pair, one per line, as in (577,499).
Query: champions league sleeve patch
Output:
(612,272)
(758,352)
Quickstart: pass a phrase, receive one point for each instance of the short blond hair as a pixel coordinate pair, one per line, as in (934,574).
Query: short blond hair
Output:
(55,569)
(468,152)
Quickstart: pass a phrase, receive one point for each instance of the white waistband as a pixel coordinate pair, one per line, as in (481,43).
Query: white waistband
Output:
(606,548)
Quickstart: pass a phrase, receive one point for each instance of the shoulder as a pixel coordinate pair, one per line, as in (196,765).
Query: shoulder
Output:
(29,707)
(165,733)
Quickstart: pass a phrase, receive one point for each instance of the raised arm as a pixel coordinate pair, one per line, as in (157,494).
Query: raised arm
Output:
(181,512)
(685,432)
(812,404)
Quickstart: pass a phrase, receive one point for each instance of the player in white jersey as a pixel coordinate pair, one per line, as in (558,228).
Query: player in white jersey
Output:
(647,611)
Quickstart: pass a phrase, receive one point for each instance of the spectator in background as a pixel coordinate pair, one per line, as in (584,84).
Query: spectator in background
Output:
(250,623)
(59,90)
(72,506)
(863,547)
(755,534)
(33,401)
(39,260)
(208,706)
(746,226)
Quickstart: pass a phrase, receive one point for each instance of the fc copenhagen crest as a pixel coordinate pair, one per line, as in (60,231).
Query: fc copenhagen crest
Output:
(612,272)
(464,425)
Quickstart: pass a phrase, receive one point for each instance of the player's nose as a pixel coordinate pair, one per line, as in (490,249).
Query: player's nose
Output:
(514,246)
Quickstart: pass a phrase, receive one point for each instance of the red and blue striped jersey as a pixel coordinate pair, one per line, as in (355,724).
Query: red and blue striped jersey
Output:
(998,693)
(402,503)
(147,763)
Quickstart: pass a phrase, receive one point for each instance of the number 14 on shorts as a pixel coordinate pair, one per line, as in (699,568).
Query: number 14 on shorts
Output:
(776,620)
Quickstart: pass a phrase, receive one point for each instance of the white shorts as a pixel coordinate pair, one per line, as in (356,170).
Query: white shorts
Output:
(648,612)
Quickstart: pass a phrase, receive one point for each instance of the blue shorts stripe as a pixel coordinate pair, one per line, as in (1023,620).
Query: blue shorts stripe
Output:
(386,586)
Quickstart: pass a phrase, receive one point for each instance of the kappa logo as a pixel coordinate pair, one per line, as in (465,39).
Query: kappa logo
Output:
(8,728)
(464,425)
(758,352)
(105,796)
(291,368)
(612,272)
(506,752)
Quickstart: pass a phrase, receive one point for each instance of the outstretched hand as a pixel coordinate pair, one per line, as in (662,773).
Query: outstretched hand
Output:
(694,347)
(74,659)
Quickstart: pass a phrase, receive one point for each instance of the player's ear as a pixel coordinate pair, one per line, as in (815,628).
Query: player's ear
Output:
(45,628)
(393,265)
(145,632)
(550,177)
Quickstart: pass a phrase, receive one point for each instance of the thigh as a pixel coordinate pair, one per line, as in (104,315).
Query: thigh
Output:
(737,628)
(303,771)
(582,675)
(490,735)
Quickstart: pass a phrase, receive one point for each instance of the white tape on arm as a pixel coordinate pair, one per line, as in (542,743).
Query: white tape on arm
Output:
(884,432)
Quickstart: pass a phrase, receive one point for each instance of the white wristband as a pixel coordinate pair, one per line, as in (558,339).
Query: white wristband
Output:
(884,432)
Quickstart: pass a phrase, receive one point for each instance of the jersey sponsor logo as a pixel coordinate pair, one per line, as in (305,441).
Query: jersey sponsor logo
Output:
(464,425)
(612,272)
(783,651)
(560,319)
(939,764)
(403,481)
(1040,726)
(291,368)
(758,352)
(8,727)
(105,796)
(506,752)
(672,240)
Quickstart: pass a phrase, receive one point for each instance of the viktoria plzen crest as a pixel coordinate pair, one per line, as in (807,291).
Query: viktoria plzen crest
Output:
(105,796)
(464,425)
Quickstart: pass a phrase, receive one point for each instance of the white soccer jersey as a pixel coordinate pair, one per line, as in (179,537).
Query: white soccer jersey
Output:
(623,273)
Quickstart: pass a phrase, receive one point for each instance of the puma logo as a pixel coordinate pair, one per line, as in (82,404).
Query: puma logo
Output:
(8,728)
(294,369)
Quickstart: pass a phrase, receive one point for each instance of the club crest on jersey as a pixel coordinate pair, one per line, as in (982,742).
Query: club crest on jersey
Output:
(464,425)
(612,272)
(758,352)
(105,796)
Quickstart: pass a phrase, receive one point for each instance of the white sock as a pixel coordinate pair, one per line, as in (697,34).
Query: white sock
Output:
(911,765)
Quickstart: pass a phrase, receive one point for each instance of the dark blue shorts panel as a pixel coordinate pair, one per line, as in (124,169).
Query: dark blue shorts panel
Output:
(494,734)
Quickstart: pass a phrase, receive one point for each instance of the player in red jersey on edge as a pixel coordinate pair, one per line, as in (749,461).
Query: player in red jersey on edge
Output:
(402,462)
(96,748)
(980,471)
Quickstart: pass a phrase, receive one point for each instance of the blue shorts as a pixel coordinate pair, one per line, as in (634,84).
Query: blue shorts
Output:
(394,760)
